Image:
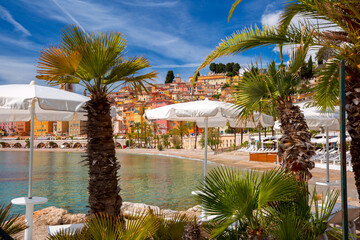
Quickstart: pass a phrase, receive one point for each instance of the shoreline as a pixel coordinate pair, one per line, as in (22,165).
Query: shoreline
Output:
(239,160)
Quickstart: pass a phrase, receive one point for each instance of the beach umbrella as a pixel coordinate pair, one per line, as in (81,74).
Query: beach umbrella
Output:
(25,102)
(207,114)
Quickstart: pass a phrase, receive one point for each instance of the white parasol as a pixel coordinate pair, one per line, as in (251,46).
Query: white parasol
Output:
(22,102)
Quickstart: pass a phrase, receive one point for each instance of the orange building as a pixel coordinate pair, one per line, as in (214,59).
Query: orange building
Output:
(43,128)
(23,128)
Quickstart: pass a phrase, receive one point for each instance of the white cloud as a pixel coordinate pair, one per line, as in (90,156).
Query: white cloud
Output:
(271,19)
(17,69)
(68,14)
(141,31)
(5,15)
(25,44)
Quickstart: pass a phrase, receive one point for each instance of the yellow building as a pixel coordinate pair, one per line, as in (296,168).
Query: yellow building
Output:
(138,113)
(43,128)
(62,128)
(77,128)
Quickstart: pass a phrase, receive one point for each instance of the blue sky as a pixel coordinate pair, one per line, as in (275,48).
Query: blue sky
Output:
(174,34)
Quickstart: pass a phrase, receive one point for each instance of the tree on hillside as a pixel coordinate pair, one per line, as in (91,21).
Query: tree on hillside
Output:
(97,62)
(231,69)
(170,77)
(212,67)
(236,68)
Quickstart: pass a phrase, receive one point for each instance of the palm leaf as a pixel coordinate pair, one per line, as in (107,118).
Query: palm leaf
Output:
(10,223)
(327,89)
(233,7)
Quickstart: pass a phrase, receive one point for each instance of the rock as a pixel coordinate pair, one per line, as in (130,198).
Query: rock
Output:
(195,209)
(55,216)
(74,218)
(138,207)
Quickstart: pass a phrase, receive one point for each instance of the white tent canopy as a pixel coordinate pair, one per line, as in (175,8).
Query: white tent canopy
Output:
(218,114)
(21,102)
(51,104)
(316,119)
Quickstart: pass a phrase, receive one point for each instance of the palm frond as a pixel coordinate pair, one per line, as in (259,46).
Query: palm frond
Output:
(276,185)
(10,223)
(239,197)
(93,60)
(56,64)
(233,7)
(327,89)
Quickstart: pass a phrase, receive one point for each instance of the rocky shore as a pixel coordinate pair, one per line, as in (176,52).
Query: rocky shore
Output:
(57,216)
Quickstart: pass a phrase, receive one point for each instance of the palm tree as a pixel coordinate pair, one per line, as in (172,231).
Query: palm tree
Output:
(155,128)
(336,28)
(130,137)
(96,61)
(137,127)
(181,130)
(195,127)
(276,88)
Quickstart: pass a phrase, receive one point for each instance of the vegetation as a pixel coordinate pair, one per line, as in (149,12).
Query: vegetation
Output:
(336,31)
(169,77)
(160,147)
(213,138)
(97,62)
(269,205)
(165,139)
(145,226)
(181,130)
(176,142)
(231,69)
(9,223)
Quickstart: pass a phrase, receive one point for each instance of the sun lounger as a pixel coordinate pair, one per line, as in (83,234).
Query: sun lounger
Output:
(67,227)
(336,219)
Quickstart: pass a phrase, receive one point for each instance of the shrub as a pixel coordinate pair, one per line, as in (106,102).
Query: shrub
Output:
(160,147)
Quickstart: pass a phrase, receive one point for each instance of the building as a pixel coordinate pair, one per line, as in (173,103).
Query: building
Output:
(23,128)
(77,128)
(62,128)
(43,128)
(9,128)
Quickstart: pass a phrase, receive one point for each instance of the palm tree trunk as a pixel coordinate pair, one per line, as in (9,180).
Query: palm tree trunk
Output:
(234,130)
(241,135)
(353,122)
(195,133)
(295,148)
(100,157)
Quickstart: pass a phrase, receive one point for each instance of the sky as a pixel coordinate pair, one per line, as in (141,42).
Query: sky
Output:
(173,34)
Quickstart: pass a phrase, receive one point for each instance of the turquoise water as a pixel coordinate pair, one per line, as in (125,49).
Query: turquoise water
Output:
(61,177)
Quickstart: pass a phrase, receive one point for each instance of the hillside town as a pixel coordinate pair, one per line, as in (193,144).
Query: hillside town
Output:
(129,107)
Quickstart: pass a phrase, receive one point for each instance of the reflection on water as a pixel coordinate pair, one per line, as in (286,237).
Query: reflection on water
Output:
(61,177)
